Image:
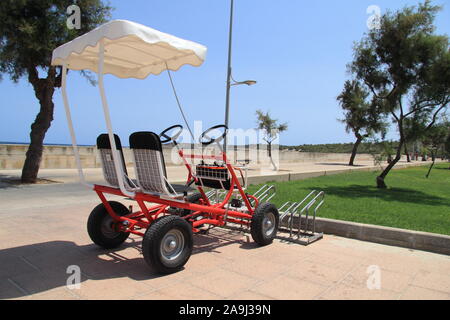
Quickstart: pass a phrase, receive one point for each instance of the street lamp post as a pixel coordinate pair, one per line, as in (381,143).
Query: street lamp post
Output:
(230,77)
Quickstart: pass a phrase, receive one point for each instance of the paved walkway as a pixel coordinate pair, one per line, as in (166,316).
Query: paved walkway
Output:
(43,232)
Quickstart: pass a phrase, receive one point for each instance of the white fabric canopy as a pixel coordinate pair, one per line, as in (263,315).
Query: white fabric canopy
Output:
(132,50)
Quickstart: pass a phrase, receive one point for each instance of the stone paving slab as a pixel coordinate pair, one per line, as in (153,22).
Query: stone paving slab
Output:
(225,265)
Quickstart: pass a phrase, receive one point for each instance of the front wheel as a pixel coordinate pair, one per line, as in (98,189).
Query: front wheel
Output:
(264,224)
(167,244)
(103,230)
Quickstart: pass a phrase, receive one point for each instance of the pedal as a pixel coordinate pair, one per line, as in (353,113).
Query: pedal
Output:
(236,203)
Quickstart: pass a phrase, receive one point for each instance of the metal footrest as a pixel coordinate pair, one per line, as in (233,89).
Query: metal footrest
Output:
(298,219)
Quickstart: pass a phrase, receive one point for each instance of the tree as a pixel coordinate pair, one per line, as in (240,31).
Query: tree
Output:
(363,118)
(271,129)
(29,32)
(447,147)
(435,138)
(405,63)
(414,129)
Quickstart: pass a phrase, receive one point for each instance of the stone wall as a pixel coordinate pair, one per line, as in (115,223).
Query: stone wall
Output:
(61,157)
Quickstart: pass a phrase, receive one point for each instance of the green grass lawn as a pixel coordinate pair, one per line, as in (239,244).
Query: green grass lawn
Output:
(411,201)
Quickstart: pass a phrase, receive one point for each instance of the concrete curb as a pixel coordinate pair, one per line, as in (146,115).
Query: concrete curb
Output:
(416,240)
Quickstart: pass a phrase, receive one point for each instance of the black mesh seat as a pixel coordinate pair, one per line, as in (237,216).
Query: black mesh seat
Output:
(106,158)
(150,166)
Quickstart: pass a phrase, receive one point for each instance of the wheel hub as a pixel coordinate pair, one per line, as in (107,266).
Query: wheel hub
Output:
(269,224)
(172,245)
(109,228)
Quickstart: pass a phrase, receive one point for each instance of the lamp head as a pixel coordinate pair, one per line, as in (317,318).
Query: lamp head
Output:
(249,82)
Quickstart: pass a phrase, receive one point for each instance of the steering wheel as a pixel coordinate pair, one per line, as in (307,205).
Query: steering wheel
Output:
(211,140)
(173,137)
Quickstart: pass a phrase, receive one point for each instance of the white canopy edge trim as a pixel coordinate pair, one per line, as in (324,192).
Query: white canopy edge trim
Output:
(111,33)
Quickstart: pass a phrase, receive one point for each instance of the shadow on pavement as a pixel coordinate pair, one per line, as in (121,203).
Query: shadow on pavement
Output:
(6,182)
(40,267)
(13,182)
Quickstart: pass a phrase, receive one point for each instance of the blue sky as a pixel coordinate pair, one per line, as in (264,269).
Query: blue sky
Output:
(296,50)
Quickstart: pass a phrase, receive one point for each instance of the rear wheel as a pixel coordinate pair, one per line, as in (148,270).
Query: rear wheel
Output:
(167,244)
(103,229)
(264,224)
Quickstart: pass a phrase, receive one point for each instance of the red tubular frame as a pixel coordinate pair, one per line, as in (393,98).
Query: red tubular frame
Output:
(216,214)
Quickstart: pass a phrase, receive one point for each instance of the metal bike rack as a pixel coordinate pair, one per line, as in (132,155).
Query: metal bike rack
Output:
(265,193)
(216,196)
(295,219)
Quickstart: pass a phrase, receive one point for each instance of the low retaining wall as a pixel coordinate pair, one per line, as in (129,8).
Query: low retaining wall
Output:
(416,240)
(12,156)
(54,157)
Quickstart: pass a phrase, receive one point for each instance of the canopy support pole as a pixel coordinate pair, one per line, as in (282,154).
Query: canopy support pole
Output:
(227,103)
(71,130)
(179,104)
(115,154)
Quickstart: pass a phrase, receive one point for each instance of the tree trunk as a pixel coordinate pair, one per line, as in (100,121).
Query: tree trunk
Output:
(44,89)
(269,150)
(432,164)
(355,150)
(380,179)
(408,158)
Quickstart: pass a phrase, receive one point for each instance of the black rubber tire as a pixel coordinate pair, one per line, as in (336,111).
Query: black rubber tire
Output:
(257,224)
(193,198)
(96,226)
(151,244)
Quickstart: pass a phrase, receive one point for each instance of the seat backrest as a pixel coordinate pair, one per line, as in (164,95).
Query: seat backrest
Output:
(106,157)
(149,162)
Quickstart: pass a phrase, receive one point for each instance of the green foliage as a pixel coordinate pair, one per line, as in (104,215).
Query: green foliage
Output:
(270,126)
(30,30)
(405,63)
(363,118)
(436,136)
(414,128)
(365,147)
(404,56)
(388,150)
(447,146)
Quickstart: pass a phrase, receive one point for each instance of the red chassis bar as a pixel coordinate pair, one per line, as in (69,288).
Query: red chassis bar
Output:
(216,214)
(212,214)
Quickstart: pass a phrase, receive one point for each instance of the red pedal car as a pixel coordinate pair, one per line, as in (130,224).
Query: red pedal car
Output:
(168,214)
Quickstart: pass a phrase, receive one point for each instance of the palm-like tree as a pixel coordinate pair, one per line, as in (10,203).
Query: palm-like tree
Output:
(271,129)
